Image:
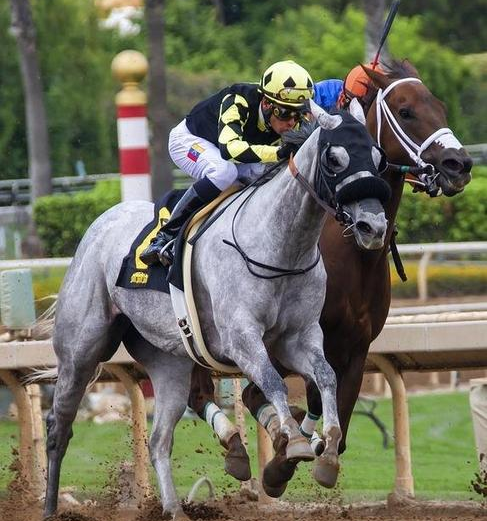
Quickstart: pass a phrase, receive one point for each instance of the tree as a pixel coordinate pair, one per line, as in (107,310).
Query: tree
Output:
(35,112)
(157,108)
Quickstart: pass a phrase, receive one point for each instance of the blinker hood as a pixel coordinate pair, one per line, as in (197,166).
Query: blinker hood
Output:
(360,179)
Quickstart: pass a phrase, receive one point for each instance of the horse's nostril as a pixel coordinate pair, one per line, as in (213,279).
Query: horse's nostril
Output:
(452,165)
(364,227)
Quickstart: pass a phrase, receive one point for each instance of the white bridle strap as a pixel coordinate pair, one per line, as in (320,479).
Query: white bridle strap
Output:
(442,136)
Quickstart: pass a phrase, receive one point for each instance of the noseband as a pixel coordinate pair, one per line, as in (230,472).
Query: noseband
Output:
(425,172)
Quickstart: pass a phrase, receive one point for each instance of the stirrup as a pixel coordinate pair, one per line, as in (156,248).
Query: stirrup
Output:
(166,257)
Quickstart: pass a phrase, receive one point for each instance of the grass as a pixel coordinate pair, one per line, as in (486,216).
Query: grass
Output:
(443,454)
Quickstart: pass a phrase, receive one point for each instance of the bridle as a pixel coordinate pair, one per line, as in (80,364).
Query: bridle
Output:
(424,172)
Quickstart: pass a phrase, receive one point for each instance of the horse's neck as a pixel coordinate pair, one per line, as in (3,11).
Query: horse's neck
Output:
(288,219)
(396,181)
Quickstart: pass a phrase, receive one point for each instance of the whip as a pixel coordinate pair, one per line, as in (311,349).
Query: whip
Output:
(385,31)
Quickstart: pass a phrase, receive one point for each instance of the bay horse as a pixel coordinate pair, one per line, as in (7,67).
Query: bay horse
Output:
(410,124)
(246,315)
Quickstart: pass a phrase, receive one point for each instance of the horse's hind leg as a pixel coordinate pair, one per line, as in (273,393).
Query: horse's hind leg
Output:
(170,377)
(74,373)
(202,401)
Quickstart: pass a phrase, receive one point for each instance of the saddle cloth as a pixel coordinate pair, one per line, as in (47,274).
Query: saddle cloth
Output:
(135,274)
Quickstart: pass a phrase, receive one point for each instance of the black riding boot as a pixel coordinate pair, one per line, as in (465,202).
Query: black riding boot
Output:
(192,200)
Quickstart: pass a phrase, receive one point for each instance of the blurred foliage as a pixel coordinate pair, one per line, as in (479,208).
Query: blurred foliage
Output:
(460,218)
(203,54)
(458,25)
(62,220)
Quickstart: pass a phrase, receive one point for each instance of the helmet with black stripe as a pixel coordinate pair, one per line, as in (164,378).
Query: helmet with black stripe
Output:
(287,83)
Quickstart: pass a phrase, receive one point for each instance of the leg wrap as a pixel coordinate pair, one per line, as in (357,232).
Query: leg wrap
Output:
(218,421)
(268,418)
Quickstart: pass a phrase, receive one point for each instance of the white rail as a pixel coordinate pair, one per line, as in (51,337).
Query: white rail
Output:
(425,251)
(428,250)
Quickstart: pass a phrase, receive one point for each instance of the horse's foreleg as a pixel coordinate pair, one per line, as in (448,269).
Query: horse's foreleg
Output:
(349,384)
(311,363)
(202,401)
(251,355)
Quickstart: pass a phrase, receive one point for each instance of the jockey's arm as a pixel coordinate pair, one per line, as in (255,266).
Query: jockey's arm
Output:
(234,112)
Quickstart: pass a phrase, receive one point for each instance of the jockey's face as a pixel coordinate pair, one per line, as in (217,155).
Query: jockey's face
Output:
(280,126)
(281,118)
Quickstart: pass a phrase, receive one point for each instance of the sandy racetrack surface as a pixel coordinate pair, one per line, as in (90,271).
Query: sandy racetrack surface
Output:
(238,508)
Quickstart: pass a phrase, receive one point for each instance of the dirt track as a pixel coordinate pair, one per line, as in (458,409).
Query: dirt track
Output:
(237,508)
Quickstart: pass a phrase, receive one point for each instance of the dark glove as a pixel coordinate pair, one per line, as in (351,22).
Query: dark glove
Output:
(286,149)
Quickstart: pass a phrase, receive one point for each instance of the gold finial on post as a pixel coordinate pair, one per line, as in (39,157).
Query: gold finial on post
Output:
(130,68)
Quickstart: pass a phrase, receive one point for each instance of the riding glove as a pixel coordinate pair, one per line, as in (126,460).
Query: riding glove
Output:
(286,149)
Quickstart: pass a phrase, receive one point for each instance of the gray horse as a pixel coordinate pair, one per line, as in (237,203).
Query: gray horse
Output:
(244,317)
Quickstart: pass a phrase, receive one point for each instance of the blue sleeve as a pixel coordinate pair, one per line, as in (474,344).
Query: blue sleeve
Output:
(327,92)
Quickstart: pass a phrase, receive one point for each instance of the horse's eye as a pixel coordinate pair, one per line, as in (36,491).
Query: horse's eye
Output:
(337,158)
(406,114)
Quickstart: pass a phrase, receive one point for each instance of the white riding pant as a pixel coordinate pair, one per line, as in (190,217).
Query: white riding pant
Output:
(200,158)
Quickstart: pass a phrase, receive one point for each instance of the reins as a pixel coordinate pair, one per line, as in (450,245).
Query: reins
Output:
(278,271)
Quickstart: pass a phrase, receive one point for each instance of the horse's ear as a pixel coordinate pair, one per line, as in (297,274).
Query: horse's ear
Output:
(410,68)
(357,111)
(381,81)
(325,120)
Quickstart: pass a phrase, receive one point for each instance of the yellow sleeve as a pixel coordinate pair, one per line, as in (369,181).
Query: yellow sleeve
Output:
(234,112)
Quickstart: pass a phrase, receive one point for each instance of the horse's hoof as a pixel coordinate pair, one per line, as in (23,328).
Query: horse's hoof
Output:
(237,462)
(298,449)
(274,492)
(326,470)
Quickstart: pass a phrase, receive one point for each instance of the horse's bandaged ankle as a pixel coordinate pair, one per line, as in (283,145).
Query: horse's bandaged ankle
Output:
(218,421)
(308,425)
(268,418)
(315,442)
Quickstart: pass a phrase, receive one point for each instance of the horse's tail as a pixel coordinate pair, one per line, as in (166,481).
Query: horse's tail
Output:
(38,375)
(51,374)
(44,325)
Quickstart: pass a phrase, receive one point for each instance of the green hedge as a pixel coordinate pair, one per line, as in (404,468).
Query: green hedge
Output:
(445,219)
(61,220)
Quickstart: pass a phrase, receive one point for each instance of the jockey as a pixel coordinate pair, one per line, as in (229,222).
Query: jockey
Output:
(327,93)
(331,94)
(232,135)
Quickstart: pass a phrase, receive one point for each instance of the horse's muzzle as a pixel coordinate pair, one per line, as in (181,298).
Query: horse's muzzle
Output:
(454,167)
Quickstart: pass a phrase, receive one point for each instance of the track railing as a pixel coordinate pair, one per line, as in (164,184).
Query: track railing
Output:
(427,251)
(432,343)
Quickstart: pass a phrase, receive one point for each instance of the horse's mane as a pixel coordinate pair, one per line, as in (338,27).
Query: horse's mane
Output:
(394,70)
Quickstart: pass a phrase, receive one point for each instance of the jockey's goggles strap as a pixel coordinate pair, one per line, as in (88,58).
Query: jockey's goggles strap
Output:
(294,95)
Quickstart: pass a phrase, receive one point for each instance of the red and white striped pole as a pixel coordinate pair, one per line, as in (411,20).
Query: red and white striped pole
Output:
(130,68)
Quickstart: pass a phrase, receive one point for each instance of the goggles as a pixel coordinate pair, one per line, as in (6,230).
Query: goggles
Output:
(286,113)
(290,95)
